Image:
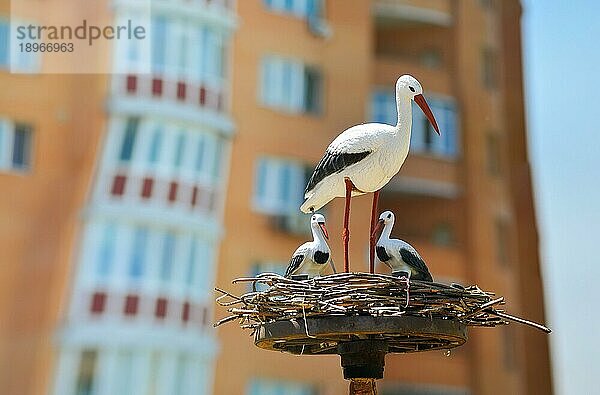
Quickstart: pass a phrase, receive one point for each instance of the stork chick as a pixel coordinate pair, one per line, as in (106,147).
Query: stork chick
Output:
(397,254)
(312,257)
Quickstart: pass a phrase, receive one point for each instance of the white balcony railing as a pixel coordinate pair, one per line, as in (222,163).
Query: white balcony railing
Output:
(432,12)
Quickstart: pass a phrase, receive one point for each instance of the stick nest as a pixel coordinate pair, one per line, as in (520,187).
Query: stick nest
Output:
(361,294)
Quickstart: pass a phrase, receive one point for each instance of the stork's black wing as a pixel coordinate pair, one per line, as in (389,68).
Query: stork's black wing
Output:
(417,263)
(333,162)
(294,264)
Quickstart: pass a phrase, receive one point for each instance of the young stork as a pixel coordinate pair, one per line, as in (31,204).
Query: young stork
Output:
(312,257)
(364,158)
(398,255)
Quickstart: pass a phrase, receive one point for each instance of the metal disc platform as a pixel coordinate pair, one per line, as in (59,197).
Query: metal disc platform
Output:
(323,335)
(361,341)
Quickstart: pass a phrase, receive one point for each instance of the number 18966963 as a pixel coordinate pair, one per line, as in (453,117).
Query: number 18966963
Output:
(46,47)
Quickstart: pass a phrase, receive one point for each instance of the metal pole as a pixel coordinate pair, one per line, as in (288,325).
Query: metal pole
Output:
(363,387)
(363,362)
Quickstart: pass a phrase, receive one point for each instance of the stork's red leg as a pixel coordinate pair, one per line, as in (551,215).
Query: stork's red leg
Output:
(372,236)
(346,232)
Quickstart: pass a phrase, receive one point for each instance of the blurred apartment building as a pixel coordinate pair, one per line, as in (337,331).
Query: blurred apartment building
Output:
(129,196)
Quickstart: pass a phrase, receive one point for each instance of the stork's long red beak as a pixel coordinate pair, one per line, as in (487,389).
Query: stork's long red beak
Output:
(420,100)
(324,229)
(378,229)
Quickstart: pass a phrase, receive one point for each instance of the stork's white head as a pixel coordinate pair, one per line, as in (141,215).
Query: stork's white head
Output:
(407,86)
(387,217)
(317,222)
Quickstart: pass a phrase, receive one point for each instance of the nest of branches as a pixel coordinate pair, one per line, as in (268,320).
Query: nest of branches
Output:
(358,294)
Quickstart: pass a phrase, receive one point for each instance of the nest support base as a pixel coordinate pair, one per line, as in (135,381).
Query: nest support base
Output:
(363,362)
(363,359)
(362,342)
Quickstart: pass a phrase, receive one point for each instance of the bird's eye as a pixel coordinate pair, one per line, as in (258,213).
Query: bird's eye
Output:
(411,88)
(389,215)
(314,217)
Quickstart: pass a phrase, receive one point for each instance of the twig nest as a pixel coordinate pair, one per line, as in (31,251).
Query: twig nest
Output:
(361,294)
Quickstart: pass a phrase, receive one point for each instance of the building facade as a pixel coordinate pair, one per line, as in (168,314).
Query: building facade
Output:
(129,200)
(459,198)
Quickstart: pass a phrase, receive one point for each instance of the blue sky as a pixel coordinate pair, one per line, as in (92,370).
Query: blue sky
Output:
(562,63)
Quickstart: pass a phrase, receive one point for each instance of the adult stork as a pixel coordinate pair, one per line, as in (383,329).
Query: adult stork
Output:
(397,254)
(364,158)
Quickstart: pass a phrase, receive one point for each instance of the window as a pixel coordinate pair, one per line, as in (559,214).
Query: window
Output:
(21,146)
(487,4)
(312,90)
(493,154)
(200,153)
(290,85)
(192,261)
(173,148)
(138,253)
(307,9)
(15,145)
(154,376)
(488,68)
(159,44)
(383,107)
(431,58)
(279,186)
(204,267)
(187,50)
(217,159)
(85,373)
(15,60)
(154,155)
(180,373)
(166,266)
(159,163)
(131,129)
(424,139)
(179,150)
(278,387)
(123,373)
(443,234)
(182,62)
(106,251)
(213,52)
(4,44)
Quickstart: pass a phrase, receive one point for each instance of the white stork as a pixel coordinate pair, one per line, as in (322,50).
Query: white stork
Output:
(364,158)
(398,255)
(312,257)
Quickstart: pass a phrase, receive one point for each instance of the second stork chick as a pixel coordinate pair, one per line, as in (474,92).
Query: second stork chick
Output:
(397,254)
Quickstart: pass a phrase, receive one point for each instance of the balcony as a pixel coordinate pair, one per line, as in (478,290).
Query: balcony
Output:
(413,12)
(215,12)
(388,68)
(424,175)
(197,103)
